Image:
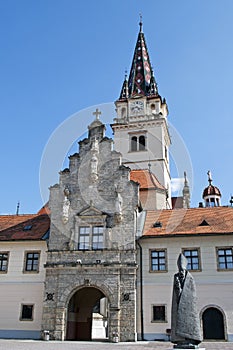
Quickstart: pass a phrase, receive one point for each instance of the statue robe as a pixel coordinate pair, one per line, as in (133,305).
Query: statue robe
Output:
(185,324)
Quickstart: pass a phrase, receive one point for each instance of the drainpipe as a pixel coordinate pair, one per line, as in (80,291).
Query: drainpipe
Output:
(141,292)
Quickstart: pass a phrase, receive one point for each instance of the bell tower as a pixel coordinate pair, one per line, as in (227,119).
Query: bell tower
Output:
(140,129)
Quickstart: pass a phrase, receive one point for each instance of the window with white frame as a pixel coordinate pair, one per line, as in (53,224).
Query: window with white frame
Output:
(225,258)
(158,260)
(32,260)
(4,256)
(90,237)
(193,258)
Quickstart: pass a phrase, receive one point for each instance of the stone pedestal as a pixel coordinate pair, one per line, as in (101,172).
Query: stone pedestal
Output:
(187,348)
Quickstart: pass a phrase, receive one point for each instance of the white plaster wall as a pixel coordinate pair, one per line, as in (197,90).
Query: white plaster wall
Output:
(18,288)
(214,288)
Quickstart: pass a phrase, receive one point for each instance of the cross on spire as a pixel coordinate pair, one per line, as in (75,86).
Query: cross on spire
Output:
(209,177)
(140,23)
(97,113)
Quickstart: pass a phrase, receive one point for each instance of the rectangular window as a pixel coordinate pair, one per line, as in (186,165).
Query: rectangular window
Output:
(97,237)
(84,238)
(158,260)
(193,258)
(91,238)
(4,261)
(158,313)
(26,313)
(225,258)
(32,261)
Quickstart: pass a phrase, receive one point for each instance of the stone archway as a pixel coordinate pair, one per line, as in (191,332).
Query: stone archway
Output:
(213,324)
(87,315)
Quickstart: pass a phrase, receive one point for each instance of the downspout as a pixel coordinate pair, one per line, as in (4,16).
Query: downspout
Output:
(141,292)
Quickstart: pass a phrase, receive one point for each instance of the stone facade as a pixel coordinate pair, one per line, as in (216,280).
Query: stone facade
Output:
(92,241)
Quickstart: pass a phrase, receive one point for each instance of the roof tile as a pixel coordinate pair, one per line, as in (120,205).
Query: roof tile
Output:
(188,221)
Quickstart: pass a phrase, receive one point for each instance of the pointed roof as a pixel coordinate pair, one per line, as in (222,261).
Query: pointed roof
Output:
(125,89)
(141,78)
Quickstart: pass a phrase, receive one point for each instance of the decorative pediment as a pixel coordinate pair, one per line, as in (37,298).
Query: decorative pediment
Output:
(90,212)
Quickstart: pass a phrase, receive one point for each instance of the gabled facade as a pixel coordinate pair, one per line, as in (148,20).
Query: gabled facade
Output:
(91,263)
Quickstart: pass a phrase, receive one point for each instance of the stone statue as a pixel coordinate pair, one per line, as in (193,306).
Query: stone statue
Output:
(118,204)
(185,322)
(66,206)
(95,146)
(94,160)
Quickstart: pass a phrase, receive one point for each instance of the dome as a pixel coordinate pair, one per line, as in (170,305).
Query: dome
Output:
(211,191)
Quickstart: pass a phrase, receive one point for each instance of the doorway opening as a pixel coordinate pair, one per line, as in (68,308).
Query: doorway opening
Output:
(87,315)
(213,324)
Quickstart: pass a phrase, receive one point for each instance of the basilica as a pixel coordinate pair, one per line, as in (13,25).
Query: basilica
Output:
(97,261)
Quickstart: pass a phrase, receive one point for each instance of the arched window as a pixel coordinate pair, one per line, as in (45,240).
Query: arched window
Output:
(142,143)
(152,106)
(134,141)
(123,112)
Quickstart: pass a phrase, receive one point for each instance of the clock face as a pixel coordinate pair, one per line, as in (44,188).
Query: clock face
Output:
(136,107)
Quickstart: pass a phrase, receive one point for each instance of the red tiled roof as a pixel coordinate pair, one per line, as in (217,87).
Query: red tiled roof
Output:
(23,227)
(12,220)
(189,221)
(146,179)
(44,210)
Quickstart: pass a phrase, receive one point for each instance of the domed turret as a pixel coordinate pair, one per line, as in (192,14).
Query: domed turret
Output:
(211,194)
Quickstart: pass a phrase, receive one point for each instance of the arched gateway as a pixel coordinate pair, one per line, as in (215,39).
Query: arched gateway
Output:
(87,315)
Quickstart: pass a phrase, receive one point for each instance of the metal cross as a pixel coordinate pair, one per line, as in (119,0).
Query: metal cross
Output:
(97,113)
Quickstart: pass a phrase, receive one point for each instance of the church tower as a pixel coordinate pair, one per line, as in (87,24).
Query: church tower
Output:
(140,129)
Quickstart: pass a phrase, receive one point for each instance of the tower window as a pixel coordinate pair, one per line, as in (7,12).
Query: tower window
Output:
(153,108)
(134,141)
(137,143)
(142,143)
(123,112)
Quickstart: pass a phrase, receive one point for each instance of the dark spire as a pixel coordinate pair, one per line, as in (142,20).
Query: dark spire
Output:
(125,88)
(153,89)
(141,71)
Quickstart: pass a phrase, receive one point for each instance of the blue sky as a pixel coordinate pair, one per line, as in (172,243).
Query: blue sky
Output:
(58,57)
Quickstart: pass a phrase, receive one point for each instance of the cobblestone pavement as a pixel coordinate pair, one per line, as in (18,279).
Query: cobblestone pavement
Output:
(66,345)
